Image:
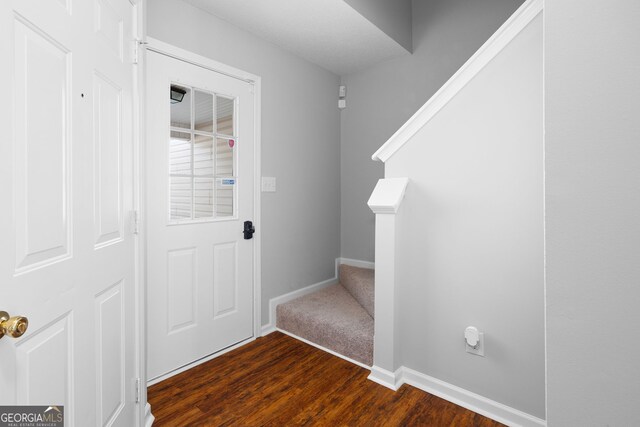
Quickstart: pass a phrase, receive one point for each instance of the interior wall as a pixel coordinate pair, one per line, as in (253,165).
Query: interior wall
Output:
(592,149)
(382,98)
(471,243)
(300,144)
(392,17)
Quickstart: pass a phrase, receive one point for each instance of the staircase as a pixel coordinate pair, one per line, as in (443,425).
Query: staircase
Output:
(339,317)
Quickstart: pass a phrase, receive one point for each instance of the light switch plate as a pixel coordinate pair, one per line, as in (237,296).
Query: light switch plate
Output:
(268,184)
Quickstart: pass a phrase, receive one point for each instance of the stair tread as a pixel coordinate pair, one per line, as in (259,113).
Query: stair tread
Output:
(332,318)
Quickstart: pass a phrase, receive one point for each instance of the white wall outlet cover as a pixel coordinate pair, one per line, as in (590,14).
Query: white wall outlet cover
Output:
(342,103)
(471,336)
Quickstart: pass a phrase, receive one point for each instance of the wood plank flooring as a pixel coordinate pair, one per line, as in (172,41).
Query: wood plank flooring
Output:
(280,381)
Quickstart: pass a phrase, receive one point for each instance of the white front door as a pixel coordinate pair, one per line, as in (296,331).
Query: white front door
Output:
(200,177)
(67,252)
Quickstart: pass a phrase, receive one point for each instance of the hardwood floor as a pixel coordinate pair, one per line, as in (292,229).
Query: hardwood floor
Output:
(280,381)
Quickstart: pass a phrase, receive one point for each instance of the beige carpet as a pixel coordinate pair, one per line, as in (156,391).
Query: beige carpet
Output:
(338,317)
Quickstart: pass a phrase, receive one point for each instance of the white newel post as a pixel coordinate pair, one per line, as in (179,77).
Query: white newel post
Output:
(385,202)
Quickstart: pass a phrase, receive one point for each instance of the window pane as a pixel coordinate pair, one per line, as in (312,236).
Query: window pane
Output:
(225,193)
(180,110)
(201,162)
(180,153)
(203,111)
(203,156)
(224,156)
(185,136)
(203,200)
(224,115)
(180,198)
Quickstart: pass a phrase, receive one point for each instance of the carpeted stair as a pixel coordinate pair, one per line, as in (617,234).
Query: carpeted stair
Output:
(339,317)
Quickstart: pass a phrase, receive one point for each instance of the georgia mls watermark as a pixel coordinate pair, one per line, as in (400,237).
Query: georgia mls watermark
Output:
(31,416)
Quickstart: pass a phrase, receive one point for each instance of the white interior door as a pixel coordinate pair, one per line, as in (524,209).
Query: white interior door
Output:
(200,177)
(67,253)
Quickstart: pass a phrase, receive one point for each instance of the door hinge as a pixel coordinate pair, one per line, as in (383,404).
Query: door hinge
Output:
(136,51)
(138,391)
(135,222)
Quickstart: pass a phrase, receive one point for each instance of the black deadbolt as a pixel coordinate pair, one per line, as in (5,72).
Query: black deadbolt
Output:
(249,229)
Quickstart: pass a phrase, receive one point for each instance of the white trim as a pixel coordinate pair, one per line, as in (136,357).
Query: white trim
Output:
(257,207)
(544,216)
(355,362)
(500,39)
(472,401)
(267,329)
(274,302)
(355,263)
(392,380)
(144,416)
(199,60)
(163,377)
(148,416)
(388,195)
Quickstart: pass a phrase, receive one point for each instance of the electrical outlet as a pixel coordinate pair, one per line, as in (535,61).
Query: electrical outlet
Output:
(479,349)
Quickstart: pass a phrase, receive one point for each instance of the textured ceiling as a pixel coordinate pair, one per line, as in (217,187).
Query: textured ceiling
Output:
(329,33)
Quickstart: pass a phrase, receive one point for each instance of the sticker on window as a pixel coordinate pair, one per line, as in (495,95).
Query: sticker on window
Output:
(227,182)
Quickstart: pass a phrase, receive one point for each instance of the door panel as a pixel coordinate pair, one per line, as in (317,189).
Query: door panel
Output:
(107,147)
(110,349)
(52,345)
(67,259)
(200,159)
(42,132)
(109,27)
(181,289)
(225,278)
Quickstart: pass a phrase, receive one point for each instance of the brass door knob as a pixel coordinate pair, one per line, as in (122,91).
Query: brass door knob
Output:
(14,326)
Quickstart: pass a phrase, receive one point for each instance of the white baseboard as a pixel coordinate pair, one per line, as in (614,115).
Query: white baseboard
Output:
(198,362)
(274,302)
(355,263)
(148,416)
(472,401)
(355,362)
(267,329)
(392,380)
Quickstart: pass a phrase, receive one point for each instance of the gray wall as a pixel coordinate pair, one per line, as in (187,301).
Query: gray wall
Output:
(300,144)
(592,102)
(392,17)
(379,100)
(471,250)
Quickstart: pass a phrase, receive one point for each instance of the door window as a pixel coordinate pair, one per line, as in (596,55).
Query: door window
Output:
(202,155)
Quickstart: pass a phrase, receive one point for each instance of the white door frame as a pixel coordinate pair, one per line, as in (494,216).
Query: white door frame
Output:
(209,64)
(145,418)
